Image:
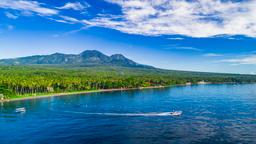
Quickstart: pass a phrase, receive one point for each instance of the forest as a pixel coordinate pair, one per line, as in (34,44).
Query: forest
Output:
(33,80)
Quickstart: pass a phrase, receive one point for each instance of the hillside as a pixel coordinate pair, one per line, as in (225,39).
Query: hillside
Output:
(86,58)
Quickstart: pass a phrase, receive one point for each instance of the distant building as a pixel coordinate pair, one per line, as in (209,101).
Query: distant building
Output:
(50,89)
(202,82)
(188,83)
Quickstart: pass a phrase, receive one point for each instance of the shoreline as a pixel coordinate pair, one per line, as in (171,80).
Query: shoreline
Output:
(81,92)
(98,91)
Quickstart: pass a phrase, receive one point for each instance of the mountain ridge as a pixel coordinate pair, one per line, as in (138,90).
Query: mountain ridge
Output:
(85,58)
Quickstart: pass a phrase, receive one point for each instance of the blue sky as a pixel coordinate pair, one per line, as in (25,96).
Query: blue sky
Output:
(205,35)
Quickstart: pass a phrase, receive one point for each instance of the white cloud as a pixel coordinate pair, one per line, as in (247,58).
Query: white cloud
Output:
(59,20)
(252,73)
(69,32)
(232,38)
(183,48)
(75,6)
(212,55)
(10,15)
(199,18)
(229,37)
(70,19)
(67,20)
(175,38)
(251,60)
(29,6)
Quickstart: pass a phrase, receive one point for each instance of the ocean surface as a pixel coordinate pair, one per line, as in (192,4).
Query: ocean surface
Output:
(211,114)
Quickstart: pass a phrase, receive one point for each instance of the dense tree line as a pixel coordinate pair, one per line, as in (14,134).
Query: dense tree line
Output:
(21,80)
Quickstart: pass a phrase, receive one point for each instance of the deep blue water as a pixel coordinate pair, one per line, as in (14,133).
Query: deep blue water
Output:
(211,114)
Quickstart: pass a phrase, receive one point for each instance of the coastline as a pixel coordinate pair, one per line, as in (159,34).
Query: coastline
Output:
(80,92)
(98,91)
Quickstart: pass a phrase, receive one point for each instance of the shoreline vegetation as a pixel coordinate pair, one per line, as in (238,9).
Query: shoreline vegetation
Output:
(45,95)
(30,97)
(33,81)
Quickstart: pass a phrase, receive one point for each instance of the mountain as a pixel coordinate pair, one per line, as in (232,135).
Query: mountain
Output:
(86,58)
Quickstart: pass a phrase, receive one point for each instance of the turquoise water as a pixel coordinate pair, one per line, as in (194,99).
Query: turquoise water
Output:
(211,114)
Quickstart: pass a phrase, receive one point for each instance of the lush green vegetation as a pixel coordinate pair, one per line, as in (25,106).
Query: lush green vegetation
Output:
(24,80)
(4,90)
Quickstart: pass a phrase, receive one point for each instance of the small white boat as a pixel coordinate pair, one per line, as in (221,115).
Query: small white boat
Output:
(20,110)
(176,113)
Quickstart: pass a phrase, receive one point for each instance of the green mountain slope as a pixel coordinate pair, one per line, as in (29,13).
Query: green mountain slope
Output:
(86,58)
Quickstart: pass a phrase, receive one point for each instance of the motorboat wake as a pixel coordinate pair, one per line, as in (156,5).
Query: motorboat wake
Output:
(20,110)
(174,113)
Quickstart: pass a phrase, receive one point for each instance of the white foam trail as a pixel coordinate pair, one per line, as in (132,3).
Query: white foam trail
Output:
(128,114)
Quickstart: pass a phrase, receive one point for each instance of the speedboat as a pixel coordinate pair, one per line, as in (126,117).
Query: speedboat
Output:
(176,113)
(20,110)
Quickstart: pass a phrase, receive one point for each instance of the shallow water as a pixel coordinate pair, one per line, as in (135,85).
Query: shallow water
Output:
(211,114)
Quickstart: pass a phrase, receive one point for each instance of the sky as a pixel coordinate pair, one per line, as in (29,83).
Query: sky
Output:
(194,35)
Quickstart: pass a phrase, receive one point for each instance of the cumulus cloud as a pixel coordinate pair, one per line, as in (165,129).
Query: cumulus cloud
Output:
(75,6)
(199,18)
(242,61)
(193,18)
(28,6)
